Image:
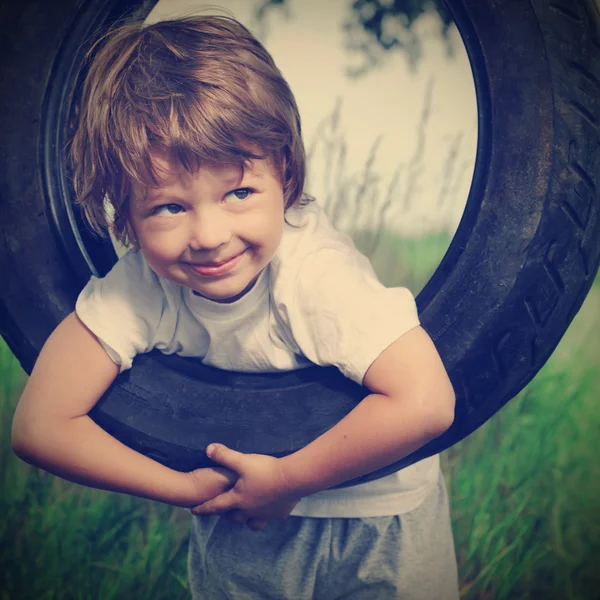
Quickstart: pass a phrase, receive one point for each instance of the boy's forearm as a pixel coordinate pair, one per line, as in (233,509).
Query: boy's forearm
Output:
(82,452)
(52,429)
(379,431)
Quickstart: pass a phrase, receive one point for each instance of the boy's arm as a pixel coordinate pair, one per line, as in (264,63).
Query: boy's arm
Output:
(52,430)
(412,403)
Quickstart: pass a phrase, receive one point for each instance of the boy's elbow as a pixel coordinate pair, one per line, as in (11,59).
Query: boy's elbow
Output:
(21,449)
(18,440)
(441,413)
(23,452)
(23,438)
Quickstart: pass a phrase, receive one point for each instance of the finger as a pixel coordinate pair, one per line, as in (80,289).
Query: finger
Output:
(256,524)
(219,505)
(232,459)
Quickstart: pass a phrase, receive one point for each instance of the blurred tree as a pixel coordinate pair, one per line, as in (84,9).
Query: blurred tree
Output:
(378,26)
(264,6)
(375,27)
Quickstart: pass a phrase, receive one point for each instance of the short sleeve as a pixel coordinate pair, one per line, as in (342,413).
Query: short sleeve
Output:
(340,314)
(123,309)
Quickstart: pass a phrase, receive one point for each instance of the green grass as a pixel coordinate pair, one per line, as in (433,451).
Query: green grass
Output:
(398,260)
(62,541)
(525,487)
(524,491)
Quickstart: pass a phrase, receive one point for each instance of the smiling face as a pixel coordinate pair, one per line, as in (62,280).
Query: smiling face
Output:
(213,230)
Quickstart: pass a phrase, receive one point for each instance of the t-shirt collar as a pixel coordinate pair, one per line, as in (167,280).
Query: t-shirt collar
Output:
(241,306)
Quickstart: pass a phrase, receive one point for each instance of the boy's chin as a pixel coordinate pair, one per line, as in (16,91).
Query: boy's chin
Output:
(225,298)
(220,300)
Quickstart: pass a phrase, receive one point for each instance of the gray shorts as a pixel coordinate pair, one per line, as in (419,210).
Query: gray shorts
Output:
(410,556)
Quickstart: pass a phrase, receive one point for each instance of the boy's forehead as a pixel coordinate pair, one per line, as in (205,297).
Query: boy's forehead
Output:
(170,172)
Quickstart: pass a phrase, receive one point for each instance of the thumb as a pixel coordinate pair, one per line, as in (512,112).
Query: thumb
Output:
(232,459)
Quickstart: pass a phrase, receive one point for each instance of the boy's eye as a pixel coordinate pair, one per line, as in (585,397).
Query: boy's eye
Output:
(239,194)
(167,209)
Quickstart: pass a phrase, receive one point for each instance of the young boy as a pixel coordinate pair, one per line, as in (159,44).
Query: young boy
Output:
(190,132)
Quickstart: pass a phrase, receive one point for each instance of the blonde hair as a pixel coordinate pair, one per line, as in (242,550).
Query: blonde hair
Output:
(202,88)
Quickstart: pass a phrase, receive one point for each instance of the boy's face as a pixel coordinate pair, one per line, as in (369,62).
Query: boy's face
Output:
(213,231)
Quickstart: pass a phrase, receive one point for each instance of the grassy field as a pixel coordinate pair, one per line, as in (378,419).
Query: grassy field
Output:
(524,488)
(62,541)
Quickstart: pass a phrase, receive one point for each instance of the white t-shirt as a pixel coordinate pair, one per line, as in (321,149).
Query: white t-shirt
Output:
(317,302)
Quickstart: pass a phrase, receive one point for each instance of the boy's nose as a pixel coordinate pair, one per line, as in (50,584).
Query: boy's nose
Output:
(209,230)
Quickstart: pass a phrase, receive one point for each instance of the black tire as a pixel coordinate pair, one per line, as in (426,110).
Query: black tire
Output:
(515,275)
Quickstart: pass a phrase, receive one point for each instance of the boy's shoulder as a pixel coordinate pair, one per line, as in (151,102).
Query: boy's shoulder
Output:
(131,277)
(308,231)
(315,260)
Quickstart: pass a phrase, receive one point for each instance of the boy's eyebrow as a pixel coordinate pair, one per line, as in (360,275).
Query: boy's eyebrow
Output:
(153,194)
(157,194)
(234,180)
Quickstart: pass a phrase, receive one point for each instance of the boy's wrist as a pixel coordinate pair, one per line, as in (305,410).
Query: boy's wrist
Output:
(175,488)
(205,484)
(301,480)
(184,490)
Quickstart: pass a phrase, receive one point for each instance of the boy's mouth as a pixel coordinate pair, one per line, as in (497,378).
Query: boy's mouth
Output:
(217,268)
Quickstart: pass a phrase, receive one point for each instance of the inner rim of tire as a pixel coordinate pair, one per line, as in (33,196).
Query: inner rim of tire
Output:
(86,252)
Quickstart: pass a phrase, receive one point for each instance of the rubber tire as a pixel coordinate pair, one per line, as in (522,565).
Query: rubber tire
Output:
(521,263)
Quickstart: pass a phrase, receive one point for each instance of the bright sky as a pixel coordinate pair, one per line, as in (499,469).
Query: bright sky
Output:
(308,45)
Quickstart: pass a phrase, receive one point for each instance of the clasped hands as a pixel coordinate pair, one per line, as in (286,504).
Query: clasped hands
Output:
(260,493)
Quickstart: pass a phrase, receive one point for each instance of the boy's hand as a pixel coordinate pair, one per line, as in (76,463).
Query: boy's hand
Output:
(260,493)
(208,483)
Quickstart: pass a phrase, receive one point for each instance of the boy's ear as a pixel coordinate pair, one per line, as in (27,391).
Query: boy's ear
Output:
(131,237)
(126,237)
